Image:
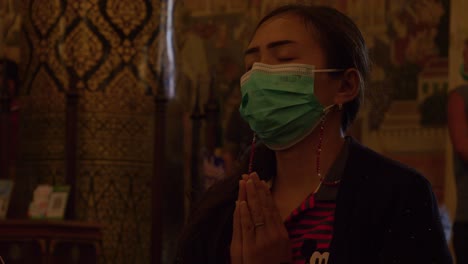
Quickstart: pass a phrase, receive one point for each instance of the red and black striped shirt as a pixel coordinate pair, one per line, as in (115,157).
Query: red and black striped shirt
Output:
(310,229)
(310,226)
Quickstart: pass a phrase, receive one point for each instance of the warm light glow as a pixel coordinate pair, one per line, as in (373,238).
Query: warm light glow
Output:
(170,50)
(166,48)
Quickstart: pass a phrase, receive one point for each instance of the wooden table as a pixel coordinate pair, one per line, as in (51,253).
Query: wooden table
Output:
(49,241)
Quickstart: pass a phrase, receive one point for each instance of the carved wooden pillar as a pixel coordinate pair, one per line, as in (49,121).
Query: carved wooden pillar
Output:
(160,173)
(71,138)
(212,119)
(4,127)
(195,180)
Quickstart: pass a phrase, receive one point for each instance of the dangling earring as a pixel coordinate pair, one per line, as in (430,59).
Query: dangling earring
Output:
(252,153)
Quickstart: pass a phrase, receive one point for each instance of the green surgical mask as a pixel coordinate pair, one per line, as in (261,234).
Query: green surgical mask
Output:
(279,104)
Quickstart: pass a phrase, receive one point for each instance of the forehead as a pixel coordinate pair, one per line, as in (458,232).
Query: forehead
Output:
(284,27)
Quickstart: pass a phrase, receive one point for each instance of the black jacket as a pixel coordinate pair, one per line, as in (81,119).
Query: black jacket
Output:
(385,213)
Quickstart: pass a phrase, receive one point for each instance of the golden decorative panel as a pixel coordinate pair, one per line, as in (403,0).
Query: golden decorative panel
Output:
(43,116)
(44,14)
(111,48)
(126,15)
(113,194)
(82,49)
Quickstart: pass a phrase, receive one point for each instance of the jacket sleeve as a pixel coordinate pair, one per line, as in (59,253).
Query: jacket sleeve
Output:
(415,233)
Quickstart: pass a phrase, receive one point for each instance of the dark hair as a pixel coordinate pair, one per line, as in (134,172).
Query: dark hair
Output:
(206,237)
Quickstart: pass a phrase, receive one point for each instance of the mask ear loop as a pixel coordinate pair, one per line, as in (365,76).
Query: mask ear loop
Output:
(252,153)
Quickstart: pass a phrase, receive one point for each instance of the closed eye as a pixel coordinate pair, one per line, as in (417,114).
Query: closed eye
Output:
(286,59)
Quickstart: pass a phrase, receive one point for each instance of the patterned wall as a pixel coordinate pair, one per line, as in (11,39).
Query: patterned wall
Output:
(111,47)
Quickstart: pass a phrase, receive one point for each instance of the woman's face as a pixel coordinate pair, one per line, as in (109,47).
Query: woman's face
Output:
(286,39)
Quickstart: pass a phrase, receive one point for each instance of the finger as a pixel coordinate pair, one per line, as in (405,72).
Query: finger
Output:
(245,177)
(270,206)
(248,232)
(236,243)
(261,193)
(254,176)
(242,196)
(237,228)
(260,189)
(253,202)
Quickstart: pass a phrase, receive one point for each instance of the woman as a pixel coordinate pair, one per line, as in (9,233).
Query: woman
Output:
(313,195)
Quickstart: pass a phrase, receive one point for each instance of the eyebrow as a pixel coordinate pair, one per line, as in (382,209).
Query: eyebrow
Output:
(269,46)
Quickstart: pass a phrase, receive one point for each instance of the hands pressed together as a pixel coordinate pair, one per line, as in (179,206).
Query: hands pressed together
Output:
(259,235)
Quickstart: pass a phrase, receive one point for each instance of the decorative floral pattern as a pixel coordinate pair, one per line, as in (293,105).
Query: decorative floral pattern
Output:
(82,49)
(45,14)
(106,44)
(126,15)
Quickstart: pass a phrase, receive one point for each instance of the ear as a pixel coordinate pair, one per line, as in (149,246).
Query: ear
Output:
(350,85)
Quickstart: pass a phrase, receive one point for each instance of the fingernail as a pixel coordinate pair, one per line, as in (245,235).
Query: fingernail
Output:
(243,203)
(250,181)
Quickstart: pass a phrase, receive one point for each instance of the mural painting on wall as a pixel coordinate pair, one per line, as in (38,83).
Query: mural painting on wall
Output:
(408,42)
(459,46)
(10,27)
(464,64)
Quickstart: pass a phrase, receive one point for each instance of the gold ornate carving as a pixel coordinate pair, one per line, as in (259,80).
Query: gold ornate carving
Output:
(45,96)
(114,137)
(82,7)
(127,15)
(148,58)
(126,51)
(81,49)
(100,77)
(118,195)
(125,86)
(43,129)
(125,94)
(44,14)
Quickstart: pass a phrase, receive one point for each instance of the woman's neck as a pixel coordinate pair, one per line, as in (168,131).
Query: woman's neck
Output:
(297,166)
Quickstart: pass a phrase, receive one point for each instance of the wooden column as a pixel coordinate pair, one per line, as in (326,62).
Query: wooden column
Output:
(195,180)
(4,126)
(212,119)
(71,119)
(159,171)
